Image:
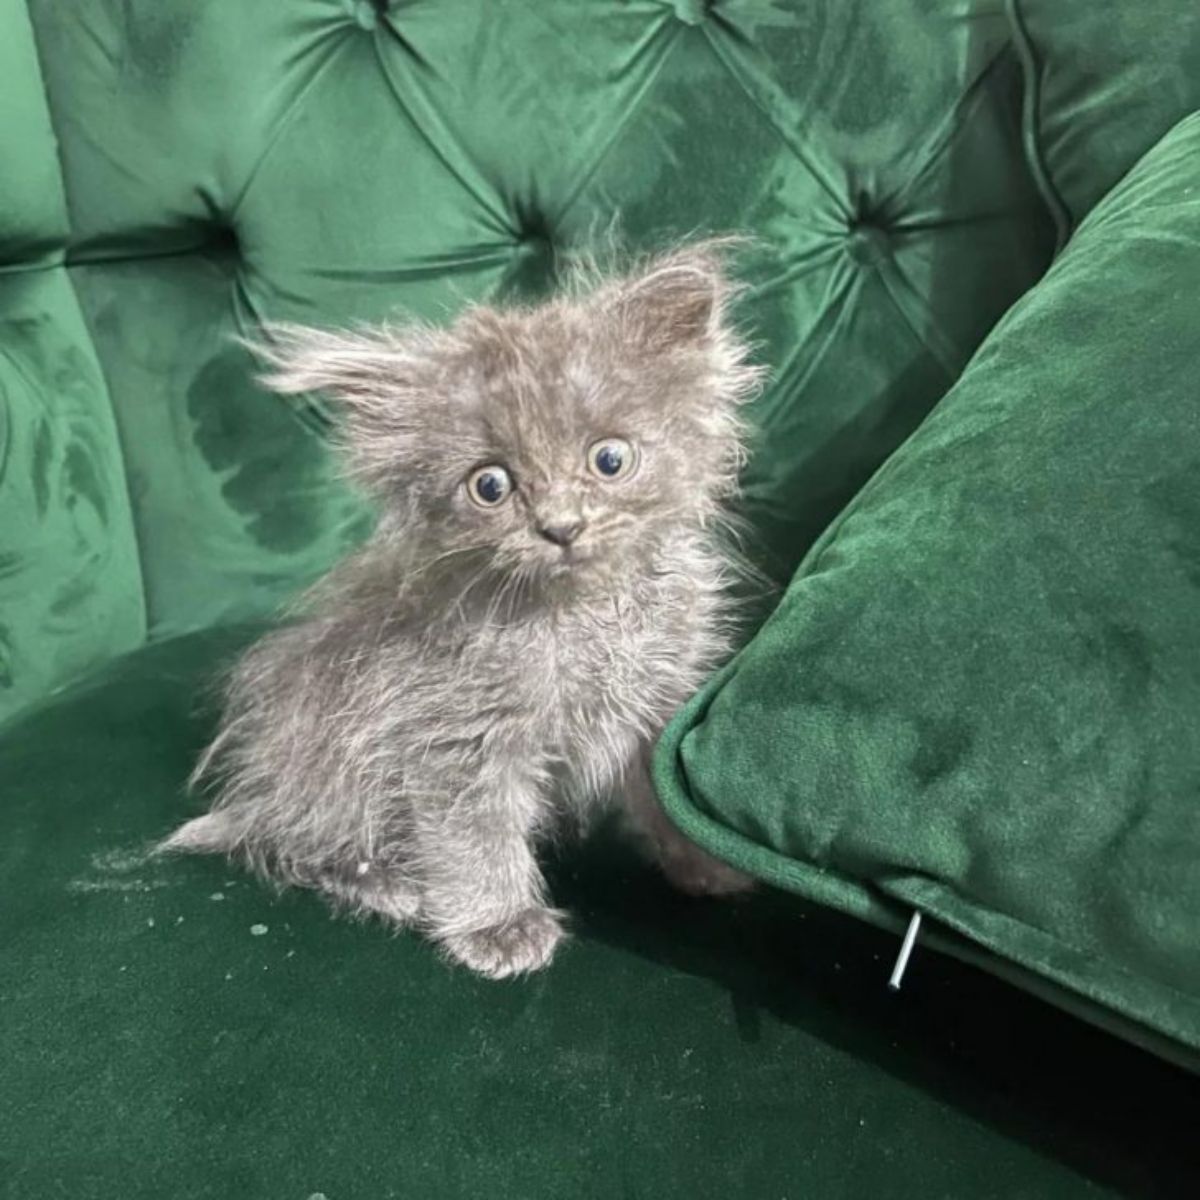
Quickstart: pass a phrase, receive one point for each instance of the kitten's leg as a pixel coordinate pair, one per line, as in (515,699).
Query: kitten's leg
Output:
(482,894)
(689,868)
(374,891)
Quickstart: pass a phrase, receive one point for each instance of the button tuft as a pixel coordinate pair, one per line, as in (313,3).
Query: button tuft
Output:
(867,244)
(531,273)
(691,12)
(365,13)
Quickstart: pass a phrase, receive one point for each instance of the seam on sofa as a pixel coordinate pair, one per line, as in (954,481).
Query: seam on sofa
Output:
(949,128)
(908,303)
(72,258)
(32,267)
(282,123)
(720,48)
(623,124)
(928,891)
(1031,110)
(76,259)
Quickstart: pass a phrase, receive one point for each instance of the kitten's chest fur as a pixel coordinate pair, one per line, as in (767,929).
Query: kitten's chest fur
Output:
(598,676)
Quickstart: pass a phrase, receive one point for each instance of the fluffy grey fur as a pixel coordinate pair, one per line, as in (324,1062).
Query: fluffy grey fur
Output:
(476,676)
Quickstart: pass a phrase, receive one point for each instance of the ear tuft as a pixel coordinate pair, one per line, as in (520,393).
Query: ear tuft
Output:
(681,297)
(349,365)
(379,377)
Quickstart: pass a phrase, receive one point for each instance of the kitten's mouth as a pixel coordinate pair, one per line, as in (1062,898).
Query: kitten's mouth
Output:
(569,559)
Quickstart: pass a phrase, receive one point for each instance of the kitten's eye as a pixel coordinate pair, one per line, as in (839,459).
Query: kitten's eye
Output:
(611,458)
(489,486)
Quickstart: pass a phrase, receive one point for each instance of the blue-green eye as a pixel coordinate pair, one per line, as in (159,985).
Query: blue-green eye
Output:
(489,486)
(611,458)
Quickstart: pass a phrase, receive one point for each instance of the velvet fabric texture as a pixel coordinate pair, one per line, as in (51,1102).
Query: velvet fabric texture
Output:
(335,160)
(173,172)
(170,1030)
(70,590)
(978,698)
(1105,82)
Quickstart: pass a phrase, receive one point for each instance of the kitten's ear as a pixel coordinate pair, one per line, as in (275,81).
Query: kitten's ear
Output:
(680,298)
(682,301)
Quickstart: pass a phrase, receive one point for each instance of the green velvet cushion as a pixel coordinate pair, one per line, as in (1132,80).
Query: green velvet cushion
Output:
(171,1030)
(979,698)
(330,160)
(1106,79)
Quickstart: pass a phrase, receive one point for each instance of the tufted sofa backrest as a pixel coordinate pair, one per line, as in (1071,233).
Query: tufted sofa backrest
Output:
(224,161)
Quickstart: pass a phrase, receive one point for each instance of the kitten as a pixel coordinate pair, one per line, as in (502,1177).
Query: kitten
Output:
(543,590)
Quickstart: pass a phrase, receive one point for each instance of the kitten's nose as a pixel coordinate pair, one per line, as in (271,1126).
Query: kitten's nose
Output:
(561,533)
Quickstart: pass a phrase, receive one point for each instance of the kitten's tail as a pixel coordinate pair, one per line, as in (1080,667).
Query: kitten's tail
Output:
(213,833)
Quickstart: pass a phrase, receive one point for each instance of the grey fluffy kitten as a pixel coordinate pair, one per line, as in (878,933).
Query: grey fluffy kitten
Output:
(543,590)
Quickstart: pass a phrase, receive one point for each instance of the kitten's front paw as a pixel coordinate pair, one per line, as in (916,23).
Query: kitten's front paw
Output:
(524,943)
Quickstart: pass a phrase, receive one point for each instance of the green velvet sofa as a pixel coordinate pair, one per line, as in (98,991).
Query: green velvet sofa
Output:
(975,276)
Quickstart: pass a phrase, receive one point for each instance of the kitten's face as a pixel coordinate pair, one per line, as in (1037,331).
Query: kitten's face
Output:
(561,442)
(565,448)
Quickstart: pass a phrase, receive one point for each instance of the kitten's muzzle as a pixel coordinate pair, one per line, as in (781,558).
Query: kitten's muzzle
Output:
(562,533)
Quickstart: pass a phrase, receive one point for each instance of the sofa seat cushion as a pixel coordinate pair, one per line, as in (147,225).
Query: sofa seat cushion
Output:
(172,1028)
(979,698)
